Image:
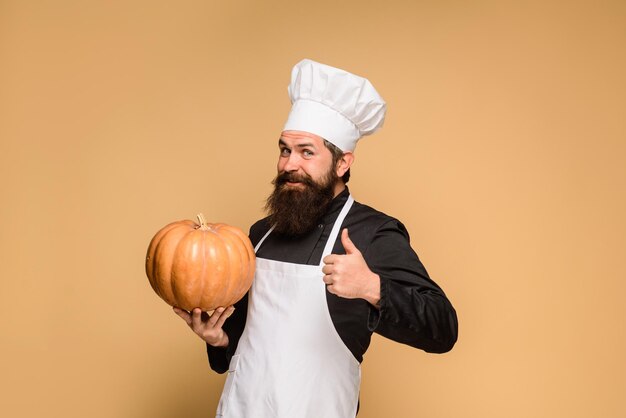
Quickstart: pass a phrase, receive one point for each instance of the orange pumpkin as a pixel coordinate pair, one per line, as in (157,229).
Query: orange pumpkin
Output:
(201,265)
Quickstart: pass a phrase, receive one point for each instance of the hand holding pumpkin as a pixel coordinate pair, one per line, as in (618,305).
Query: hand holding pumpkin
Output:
(208,326)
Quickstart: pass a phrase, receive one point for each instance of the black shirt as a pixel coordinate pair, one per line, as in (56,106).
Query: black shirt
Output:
(413,308)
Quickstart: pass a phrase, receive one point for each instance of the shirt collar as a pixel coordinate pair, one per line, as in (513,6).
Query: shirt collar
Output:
(335,206)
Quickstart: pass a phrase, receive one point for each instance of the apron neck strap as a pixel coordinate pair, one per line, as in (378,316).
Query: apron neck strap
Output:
(267,234)
(334,233)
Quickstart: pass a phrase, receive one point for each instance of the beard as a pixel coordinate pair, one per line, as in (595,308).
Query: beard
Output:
(296,210)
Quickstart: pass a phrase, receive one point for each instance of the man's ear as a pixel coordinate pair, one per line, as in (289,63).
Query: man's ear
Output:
(344,163)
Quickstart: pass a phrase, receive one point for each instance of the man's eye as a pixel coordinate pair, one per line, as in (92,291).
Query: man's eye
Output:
(284,152)
(307,153)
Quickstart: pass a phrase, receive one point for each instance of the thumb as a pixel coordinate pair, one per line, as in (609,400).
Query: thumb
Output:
(348,245)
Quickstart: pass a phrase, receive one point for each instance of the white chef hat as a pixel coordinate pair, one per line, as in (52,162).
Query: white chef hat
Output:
(334,104)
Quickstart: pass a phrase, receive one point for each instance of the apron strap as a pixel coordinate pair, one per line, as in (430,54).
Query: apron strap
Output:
(334,233)
(263,239)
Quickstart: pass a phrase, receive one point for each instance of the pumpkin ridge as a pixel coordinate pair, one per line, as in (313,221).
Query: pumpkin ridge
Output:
(200,279)
(222,299)
(166,252)
(249,257)
(151,260)
(238,289)
(213,275)
(232,284)
(188,280)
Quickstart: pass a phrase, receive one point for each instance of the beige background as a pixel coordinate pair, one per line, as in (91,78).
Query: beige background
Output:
(503,153)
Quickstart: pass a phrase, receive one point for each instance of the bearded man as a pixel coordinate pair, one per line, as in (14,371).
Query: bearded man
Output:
(329,271)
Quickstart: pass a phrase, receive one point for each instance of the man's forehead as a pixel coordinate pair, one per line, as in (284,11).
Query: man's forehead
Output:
(300,138)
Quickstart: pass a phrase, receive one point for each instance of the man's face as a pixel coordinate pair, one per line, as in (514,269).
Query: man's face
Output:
(305,184)
(303,155)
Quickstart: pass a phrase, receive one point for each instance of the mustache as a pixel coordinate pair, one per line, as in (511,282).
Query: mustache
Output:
(287,177)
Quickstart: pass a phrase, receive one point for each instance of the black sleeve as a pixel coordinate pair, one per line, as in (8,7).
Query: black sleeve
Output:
(219,357)
(413,308)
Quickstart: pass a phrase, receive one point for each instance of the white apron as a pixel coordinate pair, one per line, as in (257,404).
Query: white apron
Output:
(290,362)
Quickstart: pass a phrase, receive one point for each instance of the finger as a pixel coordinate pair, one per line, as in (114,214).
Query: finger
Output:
(328,269)
(330,259)
(183,314)
(331,289)
(348,245)
(216,316)
(196,318)
(227,313)
(328,279)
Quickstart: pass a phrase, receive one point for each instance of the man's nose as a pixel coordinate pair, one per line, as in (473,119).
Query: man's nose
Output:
(292,163)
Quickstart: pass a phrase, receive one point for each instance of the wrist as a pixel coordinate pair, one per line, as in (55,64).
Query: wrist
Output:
(221,342)
(373,293)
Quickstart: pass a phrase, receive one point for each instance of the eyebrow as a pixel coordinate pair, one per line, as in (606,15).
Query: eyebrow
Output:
(305,145)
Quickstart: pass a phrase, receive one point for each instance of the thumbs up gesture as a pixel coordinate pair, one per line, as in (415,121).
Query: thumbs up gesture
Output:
(349,276)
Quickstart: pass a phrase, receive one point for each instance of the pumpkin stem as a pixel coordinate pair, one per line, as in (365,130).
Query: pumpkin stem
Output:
(202,221)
